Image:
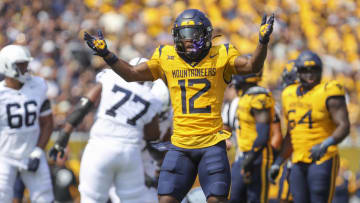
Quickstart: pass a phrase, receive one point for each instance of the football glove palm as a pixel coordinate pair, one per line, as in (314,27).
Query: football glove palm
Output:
(266,29)
(98,45)
(59,146)
(273,173)
(319,150)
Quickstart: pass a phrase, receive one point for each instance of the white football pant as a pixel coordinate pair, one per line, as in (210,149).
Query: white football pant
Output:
(38,183)
(105,163)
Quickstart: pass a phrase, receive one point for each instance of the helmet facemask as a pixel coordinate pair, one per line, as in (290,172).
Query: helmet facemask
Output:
(197,35)
(309,76)
(22,70)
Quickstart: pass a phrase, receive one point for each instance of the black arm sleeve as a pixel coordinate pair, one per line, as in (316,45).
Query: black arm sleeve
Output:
(81,109)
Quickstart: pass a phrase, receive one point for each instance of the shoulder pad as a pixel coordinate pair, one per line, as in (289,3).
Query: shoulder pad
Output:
(333,84)
(257,90)
(100,74)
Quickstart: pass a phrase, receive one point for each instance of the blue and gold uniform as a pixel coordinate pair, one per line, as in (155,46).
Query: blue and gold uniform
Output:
(283,184)
(256,189)
(311,124)
(197,92)
(196,74)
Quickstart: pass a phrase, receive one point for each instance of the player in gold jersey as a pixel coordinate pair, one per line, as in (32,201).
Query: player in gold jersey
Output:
(289,77)
(196,74)
(317,121)
(255,113)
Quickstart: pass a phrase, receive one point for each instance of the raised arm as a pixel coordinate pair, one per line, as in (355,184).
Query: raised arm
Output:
(255,64)
(140,72)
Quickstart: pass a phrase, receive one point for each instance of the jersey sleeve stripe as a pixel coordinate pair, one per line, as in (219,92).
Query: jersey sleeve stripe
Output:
(160,49)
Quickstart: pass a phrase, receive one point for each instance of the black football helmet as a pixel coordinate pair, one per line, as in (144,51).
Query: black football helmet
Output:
(193,25)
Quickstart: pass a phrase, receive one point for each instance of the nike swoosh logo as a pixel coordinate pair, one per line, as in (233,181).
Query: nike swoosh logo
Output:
(213,56)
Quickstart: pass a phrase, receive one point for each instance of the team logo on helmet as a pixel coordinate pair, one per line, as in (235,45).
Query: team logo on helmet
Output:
(308,60)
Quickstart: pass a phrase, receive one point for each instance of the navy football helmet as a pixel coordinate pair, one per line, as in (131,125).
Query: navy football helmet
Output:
(309,62)
(193,25)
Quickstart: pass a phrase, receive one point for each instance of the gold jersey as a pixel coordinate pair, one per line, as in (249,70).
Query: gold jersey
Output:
(254,98)
(309,119)
(196,92)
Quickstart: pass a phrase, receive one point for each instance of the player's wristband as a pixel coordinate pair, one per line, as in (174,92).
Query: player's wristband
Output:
(112,60)
(328,142)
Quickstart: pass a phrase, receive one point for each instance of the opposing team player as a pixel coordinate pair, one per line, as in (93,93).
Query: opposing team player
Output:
(317,119)
(126,113)
(26,126)
(197,74)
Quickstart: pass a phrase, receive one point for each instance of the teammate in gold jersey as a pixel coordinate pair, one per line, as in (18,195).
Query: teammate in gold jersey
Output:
(289,77)
(317,119)
(255,112)
(196,74)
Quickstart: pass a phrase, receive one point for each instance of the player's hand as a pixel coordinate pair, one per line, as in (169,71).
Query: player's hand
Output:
(249,158)
(266,28)
(157,149)
(273,173)
(247,166)
(34,159)
(98,45)
(246,175)
(55,150)
(317,152)
(59,146)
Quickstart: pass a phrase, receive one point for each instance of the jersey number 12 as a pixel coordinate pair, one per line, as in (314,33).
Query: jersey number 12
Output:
(192,99)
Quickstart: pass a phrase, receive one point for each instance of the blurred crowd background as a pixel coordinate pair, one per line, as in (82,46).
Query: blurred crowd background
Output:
(53,31)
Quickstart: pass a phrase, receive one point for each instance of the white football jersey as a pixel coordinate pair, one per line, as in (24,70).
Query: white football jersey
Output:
(19,114)
(124,109)
(161,91)
(228,114)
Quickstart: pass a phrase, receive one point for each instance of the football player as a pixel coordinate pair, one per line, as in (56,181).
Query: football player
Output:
(127,113)
(289,77)
(255,113)
(196,74)
(26,125)
(317,120)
